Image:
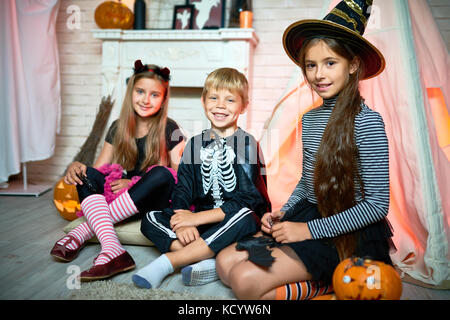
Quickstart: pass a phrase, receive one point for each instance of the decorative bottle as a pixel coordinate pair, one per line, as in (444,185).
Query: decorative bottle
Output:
(246,14)
(139,14)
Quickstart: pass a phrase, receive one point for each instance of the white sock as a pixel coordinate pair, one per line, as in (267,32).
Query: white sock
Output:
(200,273)
(153,274)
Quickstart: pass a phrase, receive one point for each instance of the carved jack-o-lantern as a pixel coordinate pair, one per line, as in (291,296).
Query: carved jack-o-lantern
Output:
(65,198)
(365,279)
(114,15)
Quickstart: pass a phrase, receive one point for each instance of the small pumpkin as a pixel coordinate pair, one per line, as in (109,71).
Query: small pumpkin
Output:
(365,279)
(65,198)
(114,15)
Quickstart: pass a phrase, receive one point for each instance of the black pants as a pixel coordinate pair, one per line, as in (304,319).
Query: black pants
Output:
(151,192)
(155,225)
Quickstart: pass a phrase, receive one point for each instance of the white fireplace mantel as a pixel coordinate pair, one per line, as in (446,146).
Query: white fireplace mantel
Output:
(189,54)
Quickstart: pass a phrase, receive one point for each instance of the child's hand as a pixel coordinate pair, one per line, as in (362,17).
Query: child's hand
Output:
(119,184)
(269,219)
(74,171)
(183,218)
(187,234)
(266,223)
(287,232)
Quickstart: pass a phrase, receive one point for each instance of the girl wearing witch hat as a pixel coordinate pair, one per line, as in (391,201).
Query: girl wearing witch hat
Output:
(339,207)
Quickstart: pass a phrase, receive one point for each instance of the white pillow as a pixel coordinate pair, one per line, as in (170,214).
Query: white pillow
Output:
(129,232)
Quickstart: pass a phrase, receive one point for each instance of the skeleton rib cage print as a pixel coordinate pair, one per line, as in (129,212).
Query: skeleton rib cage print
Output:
(217,170)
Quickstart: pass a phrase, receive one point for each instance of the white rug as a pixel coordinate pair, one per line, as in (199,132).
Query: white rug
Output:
(109,290)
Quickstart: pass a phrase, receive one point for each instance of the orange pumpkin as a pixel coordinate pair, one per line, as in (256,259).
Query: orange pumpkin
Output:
(114,15)
(65,198)
(365,279)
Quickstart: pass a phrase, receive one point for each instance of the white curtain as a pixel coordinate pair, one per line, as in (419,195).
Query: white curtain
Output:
(30,100)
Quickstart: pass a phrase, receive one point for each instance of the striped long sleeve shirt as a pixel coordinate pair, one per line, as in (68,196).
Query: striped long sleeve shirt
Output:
(373,163)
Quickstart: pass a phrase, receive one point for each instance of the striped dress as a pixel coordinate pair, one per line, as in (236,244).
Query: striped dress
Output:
(373,166)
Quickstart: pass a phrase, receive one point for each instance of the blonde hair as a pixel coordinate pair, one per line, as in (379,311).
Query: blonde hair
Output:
(125,149)
(229,79)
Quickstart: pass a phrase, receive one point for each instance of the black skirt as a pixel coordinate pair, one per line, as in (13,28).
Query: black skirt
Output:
(321,256)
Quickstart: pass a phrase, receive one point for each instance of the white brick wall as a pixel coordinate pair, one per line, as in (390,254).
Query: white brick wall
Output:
(80,60)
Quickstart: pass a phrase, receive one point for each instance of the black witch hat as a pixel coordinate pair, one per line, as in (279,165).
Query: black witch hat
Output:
(347,22)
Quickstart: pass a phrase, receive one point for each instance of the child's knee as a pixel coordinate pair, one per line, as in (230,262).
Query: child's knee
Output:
(247,224)
(96,180)
(155,227)
(223,263)
(153,190)
(243,283)
(159,175)
(144,224)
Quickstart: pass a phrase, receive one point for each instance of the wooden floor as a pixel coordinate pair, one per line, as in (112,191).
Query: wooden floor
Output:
(29,226)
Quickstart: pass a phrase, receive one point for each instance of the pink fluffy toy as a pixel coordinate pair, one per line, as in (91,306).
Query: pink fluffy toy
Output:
(114,172)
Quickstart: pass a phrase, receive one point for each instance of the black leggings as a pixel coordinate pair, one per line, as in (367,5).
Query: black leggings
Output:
(151,192)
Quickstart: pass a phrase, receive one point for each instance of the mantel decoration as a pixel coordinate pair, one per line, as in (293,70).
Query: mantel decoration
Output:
(235,10)
(183,17)
(246,14)
(208,14)
(114,15)
(241,14)
(139,14)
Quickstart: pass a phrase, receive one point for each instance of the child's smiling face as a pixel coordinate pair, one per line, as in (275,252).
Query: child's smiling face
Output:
(222,108)
(326,71)
(148,96)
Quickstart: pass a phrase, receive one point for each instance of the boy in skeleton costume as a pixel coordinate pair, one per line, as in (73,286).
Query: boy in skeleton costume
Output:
(221,191)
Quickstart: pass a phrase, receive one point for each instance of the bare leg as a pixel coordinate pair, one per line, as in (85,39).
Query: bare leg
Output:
(176,245)
(193,252)
(249,281)
(227,259)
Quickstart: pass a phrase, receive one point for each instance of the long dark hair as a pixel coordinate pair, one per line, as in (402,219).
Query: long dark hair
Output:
(336,162)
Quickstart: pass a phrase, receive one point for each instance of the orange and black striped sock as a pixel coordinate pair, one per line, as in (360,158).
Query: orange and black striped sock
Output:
(303,290)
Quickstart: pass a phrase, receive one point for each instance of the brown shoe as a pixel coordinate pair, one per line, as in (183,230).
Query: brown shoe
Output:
(61,253)
(121,263)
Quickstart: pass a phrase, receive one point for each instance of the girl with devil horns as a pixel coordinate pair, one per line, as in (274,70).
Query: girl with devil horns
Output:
(148,146)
